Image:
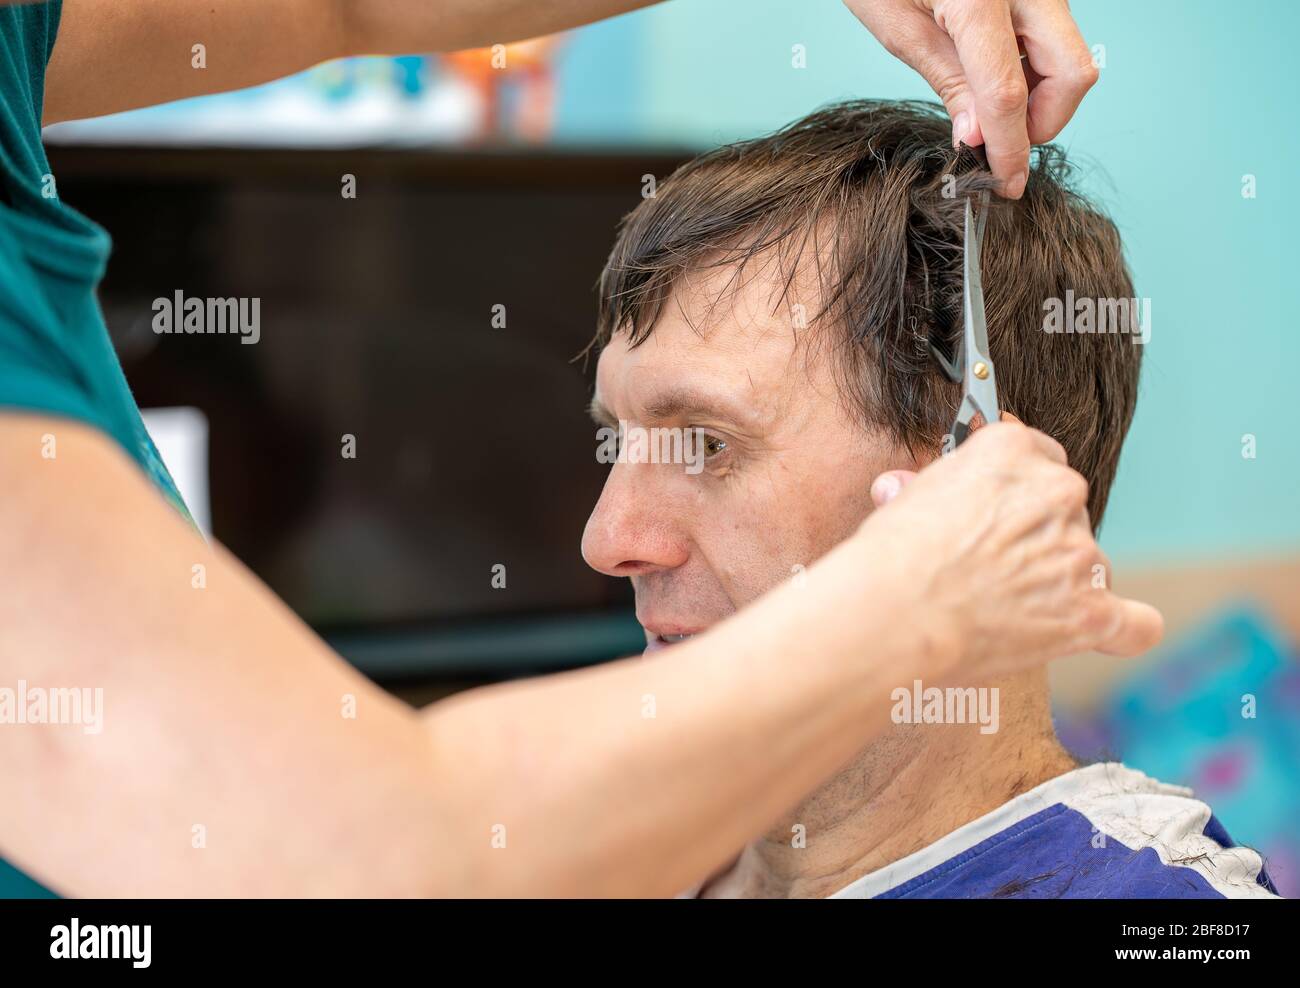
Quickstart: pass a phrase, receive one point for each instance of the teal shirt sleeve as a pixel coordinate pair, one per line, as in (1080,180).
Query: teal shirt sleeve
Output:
(55,354)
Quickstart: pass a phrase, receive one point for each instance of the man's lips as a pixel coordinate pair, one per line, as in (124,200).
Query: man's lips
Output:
(658,640)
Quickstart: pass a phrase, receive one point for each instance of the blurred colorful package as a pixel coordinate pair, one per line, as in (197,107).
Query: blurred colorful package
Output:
(1219,711)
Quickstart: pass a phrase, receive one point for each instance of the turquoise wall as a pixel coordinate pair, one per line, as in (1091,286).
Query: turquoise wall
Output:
(1193,95)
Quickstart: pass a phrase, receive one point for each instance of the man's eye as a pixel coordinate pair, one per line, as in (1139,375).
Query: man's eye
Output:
(713,446)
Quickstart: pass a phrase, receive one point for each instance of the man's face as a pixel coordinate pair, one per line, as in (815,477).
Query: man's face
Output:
(787,471)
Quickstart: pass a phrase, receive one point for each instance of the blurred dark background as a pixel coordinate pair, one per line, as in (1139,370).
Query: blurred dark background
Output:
(473,446)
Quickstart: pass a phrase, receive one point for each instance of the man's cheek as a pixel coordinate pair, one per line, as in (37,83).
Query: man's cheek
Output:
(761,557)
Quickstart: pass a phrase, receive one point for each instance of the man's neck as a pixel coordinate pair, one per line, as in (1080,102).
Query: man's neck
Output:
(899,796)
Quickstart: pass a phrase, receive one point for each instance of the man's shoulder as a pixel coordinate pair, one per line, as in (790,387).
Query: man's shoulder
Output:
(1101,832)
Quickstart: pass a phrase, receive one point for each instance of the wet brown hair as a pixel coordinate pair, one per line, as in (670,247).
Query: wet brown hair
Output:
(872,195)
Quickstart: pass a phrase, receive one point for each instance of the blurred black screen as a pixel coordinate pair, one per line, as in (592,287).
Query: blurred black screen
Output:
(473,447)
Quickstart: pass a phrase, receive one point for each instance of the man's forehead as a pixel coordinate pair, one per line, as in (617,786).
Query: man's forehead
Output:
(715,336)
(663,379)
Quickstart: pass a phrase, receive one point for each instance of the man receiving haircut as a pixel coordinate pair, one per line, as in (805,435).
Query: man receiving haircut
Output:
(785,296)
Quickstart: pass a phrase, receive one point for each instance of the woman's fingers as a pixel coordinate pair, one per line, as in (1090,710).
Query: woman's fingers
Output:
(985,39)
(999,536)
(1061,70)
(970,52)
(1138,627)
(909,32)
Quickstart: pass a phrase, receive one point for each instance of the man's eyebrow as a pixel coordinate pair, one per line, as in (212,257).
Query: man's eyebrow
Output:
(688,403)
(678,402)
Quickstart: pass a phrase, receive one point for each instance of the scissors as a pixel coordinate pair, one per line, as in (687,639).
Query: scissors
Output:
(971,366)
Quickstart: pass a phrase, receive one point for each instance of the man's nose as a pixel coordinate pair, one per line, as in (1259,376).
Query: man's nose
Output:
(633,529)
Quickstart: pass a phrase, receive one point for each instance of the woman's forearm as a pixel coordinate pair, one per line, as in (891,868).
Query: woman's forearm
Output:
(235,755)
(113,55)
(640,777)
(394,27)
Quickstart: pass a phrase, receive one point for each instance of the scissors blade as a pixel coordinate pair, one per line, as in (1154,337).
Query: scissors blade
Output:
(979,385)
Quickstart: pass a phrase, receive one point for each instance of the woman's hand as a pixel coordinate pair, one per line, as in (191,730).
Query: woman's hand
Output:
(995,540)
(969,53)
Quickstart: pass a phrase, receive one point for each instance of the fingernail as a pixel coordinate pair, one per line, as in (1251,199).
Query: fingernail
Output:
(960,127)
(1016,186)
(887,488)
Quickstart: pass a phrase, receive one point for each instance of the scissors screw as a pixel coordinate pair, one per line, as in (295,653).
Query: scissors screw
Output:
(981,370)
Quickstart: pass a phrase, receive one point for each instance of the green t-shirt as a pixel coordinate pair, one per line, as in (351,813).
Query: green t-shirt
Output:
(55,354)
